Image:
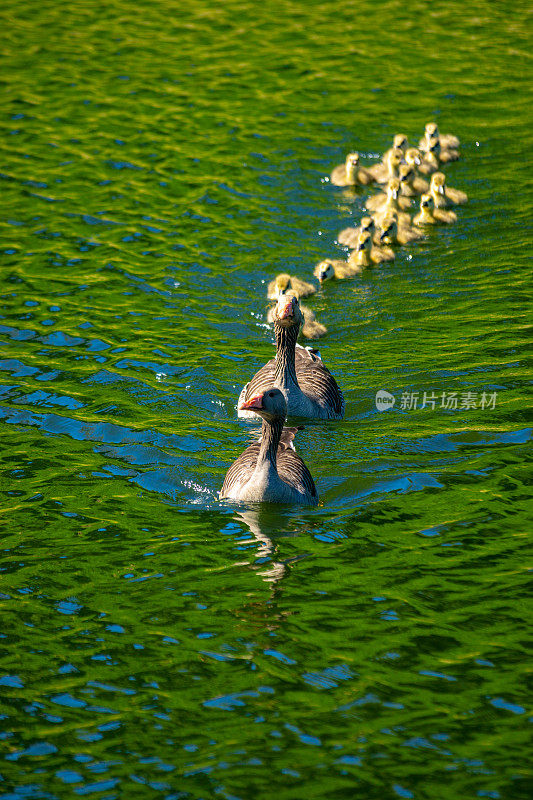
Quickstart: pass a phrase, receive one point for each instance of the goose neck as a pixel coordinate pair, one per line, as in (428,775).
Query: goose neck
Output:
(270,436)
(285,355)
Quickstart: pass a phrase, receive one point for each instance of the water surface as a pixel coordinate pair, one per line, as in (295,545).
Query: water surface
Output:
(161,162)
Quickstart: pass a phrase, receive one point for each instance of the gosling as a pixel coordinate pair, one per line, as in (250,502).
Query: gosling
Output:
(388,168)
(365,255)
(351,173)
(444,196)
(283,282)
(392,234)
(429,215)
(335,269)
(348,236)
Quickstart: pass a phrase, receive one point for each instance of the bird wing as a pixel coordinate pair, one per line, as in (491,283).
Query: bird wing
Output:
(292,470)
(241,470)
(314,379)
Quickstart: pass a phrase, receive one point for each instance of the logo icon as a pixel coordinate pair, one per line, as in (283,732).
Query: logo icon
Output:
(384,400)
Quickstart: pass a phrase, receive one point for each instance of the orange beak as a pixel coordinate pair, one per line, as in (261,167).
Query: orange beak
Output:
(254,402)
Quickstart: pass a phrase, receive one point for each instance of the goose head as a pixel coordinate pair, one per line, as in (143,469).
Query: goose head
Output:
(324,270)
(352,160)
(270,405)
(351,167)
(287,312)
(283,282)
(389,230)
(400,142)
(413,156)
(368,224)
(438,183)
(431,131)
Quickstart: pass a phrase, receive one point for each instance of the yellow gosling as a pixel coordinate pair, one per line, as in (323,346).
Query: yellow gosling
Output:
(392,234)
(312,328)
(400,142)
(411,185)
(365,255)
(435,155)
(393,194)
(388,168)
(418,160)
(332,268)
(348,236)
(447,140)
(444,196)
(429,215)
(283,282)
(351,173)
(392,205)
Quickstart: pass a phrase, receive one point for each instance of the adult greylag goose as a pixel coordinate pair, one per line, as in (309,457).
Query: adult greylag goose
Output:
(444,196)
(351,173)
(429,215)
(331,268)
(365,255)
(388,168)
(311,328)
(270,470)
(283,282)
(348,236)
(391,233)
(308,386)
(411,185)
(447,140)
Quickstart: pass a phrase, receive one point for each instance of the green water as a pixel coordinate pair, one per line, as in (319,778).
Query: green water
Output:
(160,162)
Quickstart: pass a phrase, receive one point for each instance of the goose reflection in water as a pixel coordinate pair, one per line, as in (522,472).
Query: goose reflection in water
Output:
(264,524)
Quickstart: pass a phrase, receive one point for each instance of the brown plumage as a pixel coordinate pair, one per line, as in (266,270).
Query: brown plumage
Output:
(270,470)
(308,386)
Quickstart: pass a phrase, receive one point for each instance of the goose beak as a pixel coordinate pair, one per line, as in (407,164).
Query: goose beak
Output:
(254,402)
(285,307)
